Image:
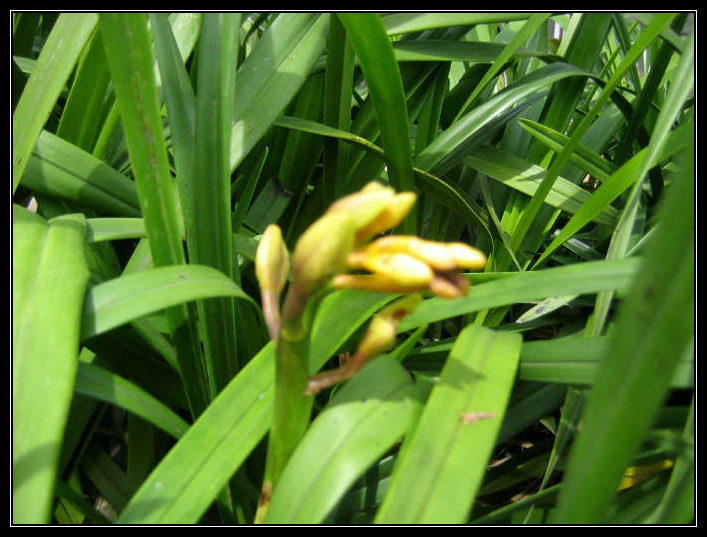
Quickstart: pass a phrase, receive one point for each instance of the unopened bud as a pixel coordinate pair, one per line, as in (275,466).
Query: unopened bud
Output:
(272,265)
(395,212)
(365,205)
(435,254)
(320,253)
(272,260)
(379,337)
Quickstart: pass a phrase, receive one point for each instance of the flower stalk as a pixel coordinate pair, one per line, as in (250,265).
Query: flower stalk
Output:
(336,243)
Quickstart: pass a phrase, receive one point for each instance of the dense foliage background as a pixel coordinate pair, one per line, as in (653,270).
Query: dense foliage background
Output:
(149,153)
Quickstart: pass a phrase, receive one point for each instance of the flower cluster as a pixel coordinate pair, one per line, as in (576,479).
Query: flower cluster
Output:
(337,243)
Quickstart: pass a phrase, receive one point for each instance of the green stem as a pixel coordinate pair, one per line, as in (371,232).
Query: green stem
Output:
(292,408)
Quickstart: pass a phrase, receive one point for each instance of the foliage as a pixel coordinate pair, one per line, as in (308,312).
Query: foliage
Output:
(151,152)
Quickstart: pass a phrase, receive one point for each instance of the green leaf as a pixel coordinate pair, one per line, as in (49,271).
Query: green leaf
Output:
(129,54)
(212,245)
(452,145)
(577,361)
(614,186)
(442,464)
(99,383)
(123,299)
(581,278)
(63,170)
(49,280)
(525,177)
(54,65)
(358,426)
(655,326)
(109,229)
(398,23)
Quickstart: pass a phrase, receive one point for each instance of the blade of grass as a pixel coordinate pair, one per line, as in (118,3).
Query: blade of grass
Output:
(534,205)
(613,187)
(399,23)
(56,61)
(505,55)
(449,148)
(582,278)
(338,84)
(49,279)
(526,178)
(272,74)
(129,54)
(61,169)
(620,240)
(442,463)
(213,245)
(82,114)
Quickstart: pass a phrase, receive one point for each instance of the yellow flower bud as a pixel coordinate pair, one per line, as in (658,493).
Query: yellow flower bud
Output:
(365,205)
(379,337)
(272,260)
(435,254)
(320,254)
(395,211)
(272,265)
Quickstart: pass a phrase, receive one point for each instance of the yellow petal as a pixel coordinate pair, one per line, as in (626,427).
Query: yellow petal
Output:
(434,254)
(467,257)
(400,268)
(372,282)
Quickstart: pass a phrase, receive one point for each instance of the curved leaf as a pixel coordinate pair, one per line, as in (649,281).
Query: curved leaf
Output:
(357,427)
(582,278)
(99,383)
(118,301)
(271,75)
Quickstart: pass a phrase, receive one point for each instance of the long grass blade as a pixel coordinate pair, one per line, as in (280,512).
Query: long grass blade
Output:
(56,61)
(129,55)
